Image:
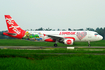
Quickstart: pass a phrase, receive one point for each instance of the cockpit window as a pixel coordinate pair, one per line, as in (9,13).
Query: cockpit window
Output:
(96,34)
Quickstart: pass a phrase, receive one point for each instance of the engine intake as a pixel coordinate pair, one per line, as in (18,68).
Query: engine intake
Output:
(68,41)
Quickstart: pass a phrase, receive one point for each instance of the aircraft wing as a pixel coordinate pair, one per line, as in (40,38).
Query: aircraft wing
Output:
(55,37)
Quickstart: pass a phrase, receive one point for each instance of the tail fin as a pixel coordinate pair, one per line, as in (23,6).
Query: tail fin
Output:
(13,29)
(12,25)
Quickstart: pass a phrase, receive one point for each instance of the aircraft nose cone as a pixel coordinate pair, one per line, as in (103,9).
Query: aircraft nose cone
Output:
(101,37)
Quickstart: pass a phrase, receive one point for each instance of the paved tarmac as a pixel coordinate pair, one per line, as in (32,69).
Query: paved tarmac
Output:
(70,53)
(95,48)
(40,47)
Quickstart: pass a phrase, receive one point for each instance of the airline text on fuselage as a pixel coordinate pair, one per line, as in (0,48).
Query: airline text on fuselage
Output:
(67,33)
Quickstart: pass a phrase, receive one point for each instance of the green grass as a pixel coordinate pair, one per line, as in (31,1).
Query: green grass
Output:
(18,42)
(28,60)
(84,62)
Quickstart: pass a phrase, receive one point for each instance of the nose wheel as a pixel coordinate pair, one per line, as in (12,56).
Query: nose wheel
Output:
(89,43)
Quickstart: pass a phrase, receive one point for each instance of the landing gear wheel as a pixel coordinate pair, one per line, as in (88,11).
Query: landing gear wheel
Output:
(89,43)
(55,45)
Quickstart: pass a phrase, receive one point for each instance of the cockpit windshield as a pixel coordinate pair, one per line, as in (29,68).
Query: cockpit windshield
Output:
(96,34)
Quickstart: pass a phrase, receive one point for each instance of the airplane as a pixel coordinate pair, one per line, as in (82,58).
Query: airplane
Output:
(65,37)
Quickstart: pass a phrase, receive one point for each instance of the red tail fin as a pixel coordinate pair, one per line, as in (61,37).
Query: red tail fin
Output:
(11,25)
(13,28)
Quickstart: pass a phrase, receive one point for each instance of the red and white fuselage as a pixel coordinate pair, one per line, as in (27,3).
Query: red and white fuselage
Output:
(66,37)
(75,35)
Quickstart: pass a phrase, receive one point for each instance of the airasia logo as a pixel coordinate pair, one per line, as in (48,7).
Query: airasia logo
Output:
(68,41)
(14,28)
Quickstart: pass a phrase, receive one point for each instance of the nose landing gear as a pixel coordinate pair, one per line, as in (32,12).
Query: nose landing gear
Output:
(89,43)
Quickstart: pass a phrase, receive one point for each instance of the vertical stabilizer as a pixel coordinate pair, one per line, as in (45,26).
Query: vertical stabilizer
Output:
(12,25)
(13,29)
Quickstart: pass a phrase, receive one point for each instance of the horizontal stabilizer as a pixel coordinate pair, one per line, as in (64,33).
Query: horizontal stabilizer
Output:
(10,33)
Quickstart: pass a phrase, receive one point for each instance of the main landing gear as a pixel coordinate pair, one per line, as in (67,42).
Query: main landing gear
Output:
(55,44)
(89,43)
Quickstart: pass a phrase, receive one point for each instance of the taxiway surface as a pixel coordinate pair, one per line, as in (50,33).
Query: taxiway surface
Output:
(41,47)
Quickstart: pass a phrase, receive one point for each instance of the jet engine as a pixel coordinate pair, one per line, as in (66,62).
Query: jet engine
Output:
(68,41)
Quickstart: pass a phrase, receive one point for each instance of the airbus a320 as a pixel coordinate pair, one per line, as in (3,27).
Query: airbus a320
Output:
(65,37)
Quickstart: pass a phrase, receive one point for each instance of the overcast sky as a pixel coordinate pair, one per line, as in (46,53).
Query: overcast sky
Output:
(63,14)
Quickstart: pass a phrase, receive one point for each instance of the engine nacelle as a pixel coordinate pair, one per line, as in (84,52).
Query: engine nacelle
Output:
(68,41)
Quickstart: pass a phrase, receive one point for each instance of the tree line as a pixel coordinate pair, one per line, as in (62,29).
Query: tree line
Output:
(100,31)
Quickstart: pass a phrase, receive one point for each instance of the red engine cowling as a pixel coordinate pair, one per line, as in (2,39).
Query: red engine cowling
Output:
(68,41)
